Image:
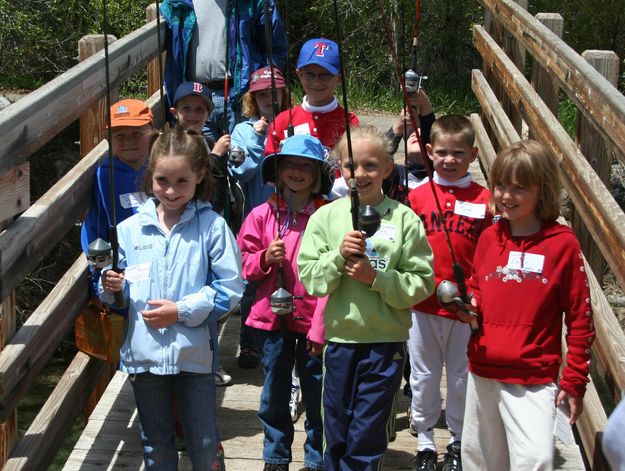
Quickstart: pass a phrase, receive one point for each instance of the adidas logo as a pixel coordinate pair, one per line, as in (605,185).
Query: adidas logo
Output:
(397,356)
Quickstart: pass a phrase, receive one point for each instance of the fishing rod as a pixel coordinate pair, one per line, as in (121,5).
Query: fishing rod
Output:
(281,299)
(369,220)
(226,124)
(402,27)
(160,64)
(99,252)
(236,155)
(287,65)
(459,275)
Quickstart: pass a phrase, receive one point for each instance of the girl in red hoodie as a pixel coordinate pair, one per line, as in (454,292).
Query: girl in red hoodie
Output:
(527,272)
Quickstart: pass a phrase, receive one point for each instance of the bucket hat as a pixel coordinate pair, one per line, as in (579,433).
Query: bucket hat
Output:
(300,145)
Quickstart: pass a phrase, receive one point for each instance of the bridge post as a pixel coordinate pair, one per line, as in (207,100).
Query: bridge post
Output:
(92,131)
(544,84)
(92,122)
(8,429)
(154,80)
(593,147)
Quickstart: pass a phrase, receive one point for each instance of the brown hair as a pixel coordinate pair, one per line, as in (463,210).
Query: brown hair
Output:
(181,141)
(365,132)
(250,108)
(455,125)
(529,163)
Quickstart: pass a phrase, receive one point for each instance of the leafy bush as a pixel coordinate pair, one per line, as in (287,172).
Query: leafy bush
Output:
(39,37)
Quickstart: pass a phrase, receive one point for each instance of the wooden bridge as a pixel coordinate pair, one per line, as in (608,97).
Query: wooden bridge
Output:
(516,101)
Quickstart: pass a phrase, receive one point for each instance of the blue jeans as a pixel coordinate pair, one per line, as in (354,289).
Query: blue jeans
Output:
(195,396)
(277,355)
(247,337)
(214,127)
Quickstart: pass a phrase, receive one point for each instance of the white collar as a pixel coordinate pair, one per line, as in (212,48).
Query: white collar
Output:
(320,109)
(464,182)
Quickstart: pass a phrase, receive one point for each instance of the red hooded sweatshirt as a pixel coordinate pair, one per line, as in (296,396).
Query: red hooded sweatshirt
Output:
(523,286)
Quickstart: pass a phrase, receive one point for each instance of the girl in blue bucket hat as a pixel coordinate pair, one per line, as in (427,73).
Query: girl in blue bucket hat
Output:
(269,240)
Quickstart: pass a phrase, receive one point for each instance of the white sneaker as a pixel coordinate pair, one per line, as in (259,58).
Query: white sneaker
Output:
(222,378)
(294,403)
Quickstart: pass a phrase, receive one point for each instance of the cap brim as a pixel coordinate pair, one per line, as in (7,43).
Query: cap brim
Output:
(129,122)
(320,63)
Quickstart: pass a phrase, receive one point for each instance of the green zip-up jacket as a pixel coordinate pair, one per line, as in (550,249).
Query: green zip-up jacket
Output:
(401,256)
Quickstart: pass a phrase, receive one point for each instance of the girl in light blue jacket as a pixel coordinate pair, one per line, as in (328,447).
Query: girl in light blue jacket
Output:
(182,273)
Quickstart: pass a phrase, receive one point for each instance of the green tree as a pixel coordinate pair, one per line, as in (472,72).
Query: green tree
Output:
(39,38)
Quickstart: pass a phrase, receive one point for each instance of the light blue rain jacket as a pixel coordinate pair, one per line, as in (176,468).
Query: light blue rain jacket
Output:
(198,265)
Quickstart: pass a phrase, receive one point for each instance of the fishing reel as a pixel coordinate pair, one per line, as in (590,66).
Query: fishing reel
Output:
(449,298)
(414,82)
(369,220)
(236,156)
(281,302)
(99,254)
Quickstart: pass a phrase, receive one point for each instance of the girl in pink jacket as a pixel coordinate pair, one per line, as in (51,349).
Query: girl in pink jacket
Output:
(286,334)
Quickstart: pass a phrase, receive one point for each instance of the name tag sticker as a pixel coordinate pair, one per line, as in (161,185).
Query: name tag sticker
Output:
(299,129)
(472,210)
(526,261)
(136,273)
(386,232)
(131,200)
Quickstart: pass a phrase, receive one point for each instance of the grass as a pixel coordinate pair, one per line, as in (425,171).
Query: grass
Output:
(567,115)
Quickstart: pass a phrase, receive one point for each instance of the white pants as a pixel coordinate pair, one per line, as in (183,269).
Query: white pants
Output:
(508,426)
(436,341)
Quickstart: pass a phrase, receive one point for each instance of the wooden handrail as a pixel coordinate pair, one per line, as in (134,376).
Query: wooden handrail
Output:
(600,102)
(600,212)
(32,121)
(46,434)
(31,347)
(35,233)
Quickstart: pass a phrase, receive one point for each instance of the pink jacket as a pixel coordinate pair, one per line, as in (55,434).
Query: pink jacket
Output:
(258,230)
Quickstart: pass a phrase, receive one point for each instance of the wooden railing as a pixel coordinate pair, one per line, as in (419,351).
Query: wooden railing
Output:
(25,126)
(514,105)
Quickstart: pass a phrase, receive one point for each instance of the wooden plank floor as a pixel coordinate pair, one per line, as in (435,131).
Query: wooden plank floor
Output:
(111,439)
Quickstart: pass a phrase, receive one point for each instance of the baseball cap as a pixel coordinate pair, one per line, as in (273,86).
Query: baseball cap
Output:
(130,112)
(261,79)
(194,88)
(321,51)
(300,145)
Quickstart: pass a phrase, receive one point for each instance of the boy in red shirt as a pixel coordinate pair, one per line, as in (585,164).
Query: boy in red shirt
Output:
(437,337)
(319,115)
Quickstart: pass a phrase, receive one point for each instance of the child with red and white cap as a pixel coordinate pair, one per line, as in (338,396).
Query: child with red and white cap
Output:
(249,138)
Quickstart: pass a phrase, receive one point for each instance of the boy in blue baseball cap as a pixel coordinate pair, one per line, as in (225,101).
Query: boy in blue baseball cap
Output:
(318,68)
(269,247)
